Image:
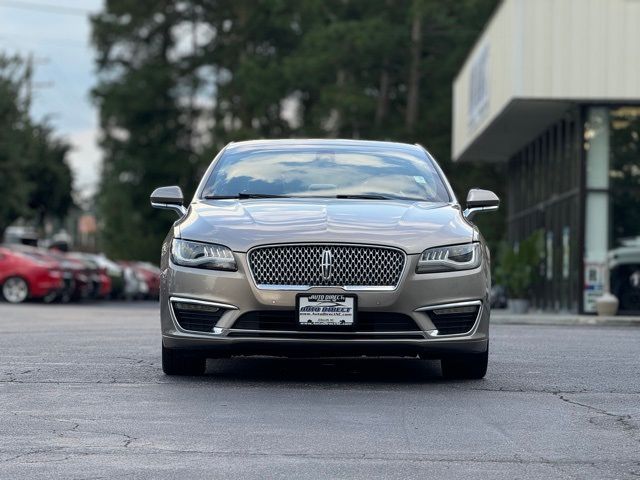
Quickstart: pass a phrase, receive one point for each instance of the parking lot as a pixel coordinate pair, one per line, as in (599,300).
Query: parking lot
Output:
(82,395)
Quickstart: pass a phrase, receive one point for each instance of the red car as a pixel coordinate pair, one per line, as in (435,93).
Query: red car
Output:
(24,276)
(151,275)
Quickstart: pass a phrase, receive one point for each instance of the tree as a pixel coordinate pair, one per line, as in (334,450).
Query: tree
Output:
(48,175)
(34,177)
(181,78)
(144,125)
(12,117)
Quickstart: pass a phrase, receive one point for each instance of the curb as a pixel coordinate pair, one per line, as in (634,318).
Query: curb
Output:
(499,318)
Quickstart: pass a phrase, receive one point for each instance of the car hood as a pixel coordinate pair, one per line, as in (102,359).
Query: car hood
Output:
(243,224)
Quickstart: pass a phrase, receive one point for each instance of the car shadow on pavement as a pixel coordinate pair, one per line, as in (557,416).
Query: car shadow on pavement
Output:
(325,370)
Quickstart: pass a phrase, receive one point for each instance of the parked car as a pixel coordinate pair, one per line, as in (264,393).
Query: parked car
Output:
(624,268)
(100,283)
(26,276)
(135,285)
(113,271)
(498,297)
(325,247)
(66,292)
(151,276)
(81,281)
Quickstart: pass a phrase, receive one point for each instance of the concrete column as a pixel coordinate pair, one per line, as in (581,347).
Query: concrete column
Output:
(597,225)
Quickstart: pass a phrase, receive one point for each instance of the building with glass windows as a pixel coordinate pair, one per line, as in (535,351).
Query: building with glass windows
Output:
(552,89)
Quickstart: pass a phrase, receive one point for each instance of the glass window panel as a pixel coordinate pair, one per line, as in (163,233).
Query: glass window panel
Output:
(624,175)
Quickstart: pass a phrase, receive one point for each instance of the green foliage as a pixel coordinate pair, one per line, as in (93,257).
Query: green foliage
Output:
(35,180)
(625,175)
(181,78)
(517,267)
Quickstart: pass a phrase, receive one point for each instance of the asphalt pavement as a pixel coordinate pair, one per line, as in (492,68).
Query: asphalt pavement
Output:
(82,395)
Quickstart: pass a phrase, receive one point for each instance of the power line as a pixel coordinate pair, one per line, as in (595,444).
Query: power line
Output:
(38,40)
(43,7)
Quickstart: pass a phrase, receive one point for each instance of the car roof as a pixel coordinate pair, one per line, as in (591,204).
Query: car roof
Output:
(322,143)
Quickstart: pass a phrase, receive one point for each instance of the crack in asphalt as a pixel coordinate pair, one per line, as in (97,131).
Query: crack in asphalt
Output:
(399,457)
(75,427)
(623,420)
(204,382)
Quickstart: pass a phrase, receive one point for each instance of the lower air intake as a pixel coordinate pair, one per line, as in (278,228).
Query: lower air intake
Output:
(454,320)
(197,317)
(287,320)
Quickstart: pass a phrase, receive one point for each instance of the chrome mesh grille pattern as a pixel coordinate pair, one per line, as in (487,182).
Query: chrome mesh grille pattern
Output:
(306,265)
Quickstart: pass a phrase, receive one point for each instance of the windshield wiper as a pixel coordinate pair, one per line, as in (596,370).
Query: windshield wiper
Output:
(374,196)
(243,196)
(364,196)
(367,196)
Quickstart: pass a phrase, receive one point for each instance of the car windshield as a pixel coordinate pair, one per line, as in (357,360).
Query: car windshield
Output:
(334,172)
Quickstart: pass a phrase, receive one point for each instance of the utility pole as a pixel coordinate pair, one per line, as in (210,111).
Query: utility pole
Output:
(29,84)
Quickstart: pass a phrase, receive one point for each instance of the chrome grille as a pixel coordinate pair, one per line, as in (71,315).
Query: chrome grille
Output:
(306,266)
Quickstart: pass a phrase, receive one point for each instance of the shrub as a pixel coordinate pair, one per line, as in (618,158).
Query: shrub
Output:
(517,265)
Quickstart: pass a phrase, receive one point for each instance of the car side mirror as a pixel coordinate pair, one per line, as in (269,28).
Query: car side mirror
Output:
(480,201)
(169,198)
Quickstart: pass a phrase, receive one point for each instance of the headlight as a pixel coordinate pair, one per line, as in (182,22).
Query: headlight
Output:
(445,259)
(202,255)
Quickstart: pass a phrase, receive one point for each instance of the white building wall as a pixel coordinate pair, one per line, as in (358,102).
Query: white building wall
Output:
(580,50)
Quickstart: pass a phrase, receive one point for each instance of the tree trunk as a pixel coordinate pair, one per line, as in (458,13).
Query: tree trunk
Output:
(413,89)
(382,106)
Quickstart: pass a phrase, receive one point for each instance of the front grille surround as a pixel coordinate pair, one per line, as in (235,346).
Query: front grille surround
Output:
(299,266)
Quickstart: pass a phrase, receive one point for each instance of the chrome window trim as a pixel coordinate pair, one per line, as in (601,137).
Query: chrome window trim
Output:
(350,288)
(434,332)
(443,178)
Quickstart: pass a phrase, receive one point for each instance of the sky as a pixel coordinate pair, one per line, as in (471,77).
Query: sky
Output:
(57,34)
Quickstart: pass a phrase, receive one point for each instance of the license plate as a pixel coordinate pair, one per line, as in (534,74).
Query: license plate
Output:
(326,309)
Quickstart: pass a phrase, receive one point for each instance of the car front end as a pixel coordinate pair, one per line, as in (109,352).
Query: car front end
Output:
(314,275)
(228,313)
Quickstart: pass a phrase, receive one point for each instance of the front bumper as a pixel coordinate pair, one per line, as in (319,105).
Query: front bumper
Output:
(237,292)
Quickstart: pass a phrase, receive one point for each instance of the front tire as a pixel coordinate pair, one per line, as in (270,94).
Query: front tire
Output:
(471,366)
(179,362)
(15,290)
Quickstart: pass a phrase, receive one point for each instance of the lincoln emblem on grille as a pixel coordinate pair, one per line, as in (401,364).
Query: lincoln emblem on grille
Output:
(326,264)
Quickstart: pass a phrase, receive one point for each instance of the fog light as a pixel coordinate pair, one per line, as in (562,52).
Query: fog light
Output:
(197,307)
(455,310)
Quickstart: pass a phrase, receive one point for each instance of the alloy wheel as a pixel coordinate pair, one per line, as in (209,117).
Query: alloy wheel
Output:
(15,290)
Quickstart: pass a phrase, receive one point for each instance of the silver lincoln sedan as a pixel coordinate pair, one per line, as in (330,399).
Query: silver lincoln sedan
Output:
(325,248)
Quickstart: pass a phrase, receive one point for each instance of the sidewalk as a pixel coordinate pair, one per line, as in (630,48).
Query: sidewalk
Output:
(504,317)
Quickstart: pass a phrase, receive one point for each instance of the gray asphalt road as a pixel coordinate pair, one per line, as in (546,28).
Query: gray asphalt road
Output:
(82,395)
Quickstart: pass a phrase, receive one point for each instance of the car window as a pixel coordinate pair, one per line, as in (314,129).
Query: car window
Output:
(326,172)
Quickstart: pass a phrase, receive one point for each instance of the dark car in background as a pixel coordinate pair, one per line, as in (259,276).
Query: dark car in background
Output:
(113,271)
(80,283)
(99,281)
